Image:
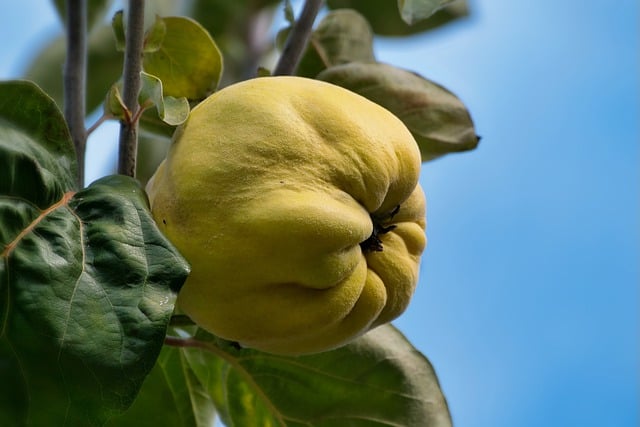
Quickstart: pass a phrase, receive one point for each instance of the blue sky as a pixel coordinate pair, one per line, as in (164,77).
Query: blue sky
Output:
(528,299)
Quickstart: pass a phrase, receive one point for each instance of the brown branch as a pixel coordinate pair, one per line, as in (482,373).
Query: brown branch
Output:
(298,38)
(134,38)
(74,80)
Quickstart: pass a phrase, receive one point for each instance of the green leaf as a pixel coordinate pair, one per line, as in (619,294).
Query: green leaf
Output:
(187,62)
(413,11)
(170,396)
(155,36)
(437,118)
(104,66)
(87,282)
(342,36)
(385,19)
(379,379)
(117,24)
(173,111)
(289,16)
(114,104)
(38,161)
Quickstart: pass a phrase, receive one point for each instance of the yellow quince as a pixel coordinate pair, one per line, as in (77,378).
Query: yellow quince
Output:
(298,206)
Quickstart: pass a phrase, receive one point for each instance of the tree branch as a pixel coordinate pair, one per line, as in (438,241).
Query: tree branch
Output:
(298,38)
(128,143)
(74,80)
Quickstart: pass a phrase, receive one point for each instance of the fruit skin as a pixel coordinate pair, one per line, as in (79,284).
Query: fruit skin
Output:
(268,190)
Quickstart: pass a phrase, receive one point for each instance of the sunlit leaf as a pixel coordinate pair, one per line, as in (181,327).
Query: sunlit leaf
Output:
(437,118)
(379,379)
(155,36)
(173,111)
(413,11)
(87,282)
(187,62)
(385,19)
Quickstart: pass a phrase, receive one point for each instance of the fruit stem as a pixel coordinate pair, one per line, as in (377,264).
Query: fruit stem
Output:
(298,38)
(75,71)
(134,38)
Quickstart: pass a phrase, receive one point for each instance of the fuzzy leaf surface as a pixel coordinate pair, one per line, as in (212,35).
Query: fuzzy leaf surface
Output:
(377,380)
(87,282)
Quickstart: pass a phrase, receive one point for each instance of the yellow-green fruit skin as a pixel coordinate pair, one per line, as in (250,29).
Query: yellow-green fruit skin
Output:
(268,190)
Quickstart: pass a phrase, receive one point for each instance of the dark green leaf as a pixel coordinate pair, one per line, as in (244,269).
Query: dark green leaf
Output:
(438,120)
(289,16)
(187,62)
(117,24)
(379,379)
(104,67)
(385,19)
(38,161)
(342,36)
(413,11)
(170,396)
(87,282)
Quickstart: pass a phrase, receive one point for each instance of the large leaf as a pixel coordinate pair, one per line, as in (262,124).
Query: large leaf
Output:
(171,396)
(379,379)
(104,67)
(187,60)
(341,36)
(87,282)
(386,20)
(437,119)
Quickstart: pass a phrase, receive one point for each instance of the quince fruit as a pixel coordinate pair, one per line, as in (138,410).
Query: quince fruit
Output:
(298,206)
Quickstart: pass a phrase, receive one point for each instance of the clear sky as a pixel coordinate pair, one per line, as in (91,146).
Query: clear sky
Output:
(528,299)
